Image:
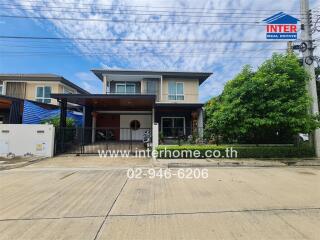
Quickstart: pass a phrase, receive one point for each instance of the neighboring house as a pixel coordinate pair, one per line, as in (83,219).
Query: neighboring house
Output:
(15,88)
(133,100)
(36,87)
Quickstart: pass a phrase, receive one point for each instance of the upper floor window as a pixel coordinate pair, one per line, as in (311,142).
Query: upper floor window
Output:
(176,90)
(151,86)
(125,88)
(43,94)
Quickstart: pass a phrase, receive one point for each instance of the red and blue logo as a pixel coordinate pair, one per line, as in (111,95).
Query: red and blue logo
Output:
(282,26)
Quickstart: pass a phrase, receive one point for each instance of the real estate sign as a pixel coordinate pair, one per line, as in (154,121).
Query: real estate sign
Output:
(281,26)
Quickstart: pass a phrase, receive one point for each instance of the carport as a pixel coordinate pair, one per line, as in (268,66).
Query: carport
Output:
(11,109)
(109,121)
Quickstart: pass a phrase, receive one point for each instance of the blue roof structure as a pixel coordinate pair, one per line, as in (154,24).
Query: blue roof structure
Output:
(33,114)
(281,18)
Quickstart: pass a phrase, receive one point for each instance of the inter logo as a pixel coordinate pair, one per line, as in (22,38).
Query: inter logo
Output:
(281,26)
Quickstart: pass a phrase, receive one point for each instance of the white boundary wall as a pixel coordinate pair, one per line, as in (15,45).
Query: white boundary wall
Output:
(21,139)
(155,136)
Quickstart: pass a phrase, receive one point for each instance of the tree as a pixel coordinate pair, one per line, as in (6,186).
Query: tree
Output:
(267,106)
(55,121)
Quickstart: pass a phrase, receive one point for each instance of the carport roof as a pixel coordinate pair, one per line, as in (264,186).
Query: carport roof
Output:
(6,101)
(112,101)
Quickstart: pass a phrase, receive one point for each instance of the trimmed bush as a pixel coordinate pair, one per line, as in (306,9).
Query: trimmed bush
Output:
(241,151)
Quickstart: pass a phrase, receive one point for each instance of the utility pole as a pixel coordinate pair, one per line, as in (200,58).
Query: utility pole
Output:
(290,47)
(306,37)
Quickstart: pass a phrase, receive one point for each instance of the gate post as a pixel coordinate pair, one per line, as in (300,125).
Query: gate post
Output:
(130,140)
(155,136)
(63,122)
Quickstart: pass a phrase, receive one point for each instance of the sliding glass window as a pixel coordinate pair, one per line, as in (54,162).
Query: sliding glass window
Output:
(176,90)
(125,88)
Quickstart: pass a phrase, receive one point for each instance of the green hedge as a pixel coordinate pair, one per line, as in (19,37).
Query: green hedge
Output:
(242,151)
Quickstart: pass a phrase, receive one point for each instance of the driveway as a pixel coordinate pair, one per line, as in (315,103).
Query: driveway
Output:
(75,201)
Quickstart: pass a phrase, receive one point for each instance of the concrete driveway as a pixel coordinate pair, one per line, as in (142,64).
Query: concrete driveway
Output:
(76,201)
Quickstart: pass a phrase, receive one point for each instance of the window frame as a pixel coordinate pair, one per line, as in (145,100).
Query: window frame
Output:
(43,98)
(125,84)
(148,84)
(184,124)
(176,94)
(136,127)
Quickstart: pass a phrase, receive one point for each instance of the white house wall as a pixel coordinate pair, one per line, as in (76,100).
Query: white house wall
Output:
(145,124)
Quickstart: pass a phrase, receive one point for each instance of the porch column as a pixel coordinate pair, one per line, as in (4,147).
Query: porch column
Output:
(200,122)
(14,115)
(105,84)
(87,124)
(161,80)
(63,113)
(94,124)
(62,124)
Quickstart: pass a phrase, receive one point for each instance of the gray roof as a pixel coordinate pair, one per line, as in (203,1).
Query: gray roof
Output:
(202,76)
(42,77)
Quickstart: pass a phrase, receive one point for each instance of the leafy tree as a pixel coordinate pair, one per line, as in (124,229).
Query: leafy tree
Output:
(67,134)
(55,121)
(267,106)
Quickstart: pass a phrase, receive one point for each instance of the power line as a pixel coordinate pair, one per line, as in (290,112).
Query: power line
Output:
(115,54)
(150,52)
(93,8)
(156,49)
(140,52)
(66,43)
(123,55)
(117,10)
(139,40)
(226,14)
(156,7)
(135,21)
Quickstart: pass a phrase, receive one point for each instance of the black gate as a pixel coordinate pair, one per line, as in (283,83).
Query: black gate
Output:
(102,140)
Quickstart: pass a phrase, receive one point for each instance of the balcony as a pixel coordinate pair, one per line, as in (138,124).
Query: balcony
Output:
(171,93)
(143,87)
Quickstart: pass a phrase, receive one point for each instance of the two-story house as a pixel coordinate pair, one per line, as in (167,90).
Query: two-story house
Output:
(15,88)
(132,100)
(36,87)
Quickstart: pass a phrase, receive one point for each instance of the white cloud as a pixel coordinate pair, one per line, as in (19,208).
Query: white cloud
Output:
(88,81)
(199,57)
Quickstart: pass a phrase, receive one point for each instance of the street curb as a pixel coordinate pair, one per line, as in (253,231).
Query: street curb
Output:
(192,163)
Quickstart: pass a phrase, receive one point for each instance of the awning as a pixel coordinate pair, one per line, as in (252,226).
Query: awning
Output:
(35,114)
(110,102)
(13,108)
(6,101)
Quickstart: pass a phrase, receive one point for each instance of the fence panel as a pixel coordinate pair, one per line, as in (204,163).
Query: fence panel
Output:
(93,141)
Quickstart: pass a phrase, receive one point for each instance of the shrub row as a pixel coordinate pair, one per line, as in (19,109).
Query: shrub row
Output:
(242,151)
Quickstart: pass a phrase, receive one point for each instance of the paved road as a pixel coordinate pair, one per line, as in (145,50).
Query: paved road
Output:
(47,201)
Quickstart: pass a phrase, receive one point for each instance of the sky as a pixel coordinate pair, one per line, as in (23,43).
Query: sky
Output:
(182,35)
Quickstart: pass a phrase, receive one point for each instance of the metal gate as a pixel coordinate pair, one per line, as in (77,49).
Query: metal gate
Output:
(102,140)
